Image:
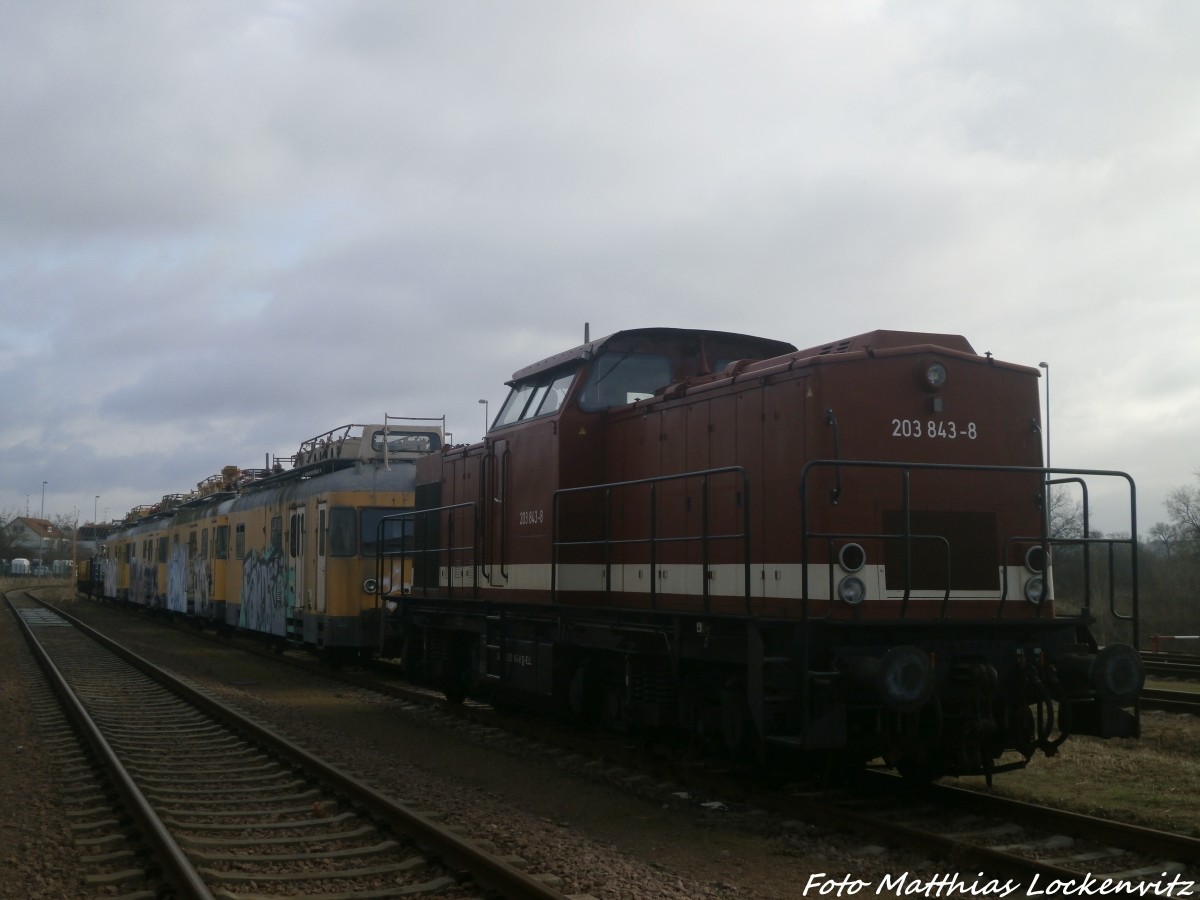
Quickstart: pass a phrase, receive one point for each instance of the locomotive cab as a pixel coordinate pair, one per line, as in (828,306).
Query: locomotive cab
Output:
(551,434)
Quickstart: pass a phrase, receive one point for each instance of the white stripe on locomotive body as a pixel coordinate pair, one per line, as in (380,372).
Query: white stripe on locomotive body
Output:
(766,581)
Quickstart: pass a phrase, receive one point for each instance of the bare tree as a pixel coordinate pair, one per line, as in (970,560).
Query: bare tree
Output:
(1066,514)
(1166,536)
(1183,506)
(7,538)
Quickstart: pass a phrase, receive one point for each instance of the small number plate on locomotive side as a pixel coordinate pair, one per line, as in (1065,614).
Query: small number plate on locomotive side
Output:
(934,428)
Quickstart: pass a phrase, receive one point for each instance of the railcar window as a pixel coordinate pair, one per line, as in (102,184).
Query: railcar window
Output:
(343,534)
(162,549)
(406,441)
(620,378)
(277,533)
(397,533)
(204,544)
(239,542)
(222,549)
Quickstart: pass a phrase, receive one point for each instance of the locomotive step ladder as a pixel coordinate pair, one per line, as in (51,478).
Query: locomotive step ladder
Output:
(493,649)
(780,695)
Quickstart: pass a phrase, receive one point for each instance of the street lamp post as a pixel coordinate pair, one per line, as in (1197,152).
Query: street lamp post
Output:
(486,420)
(42,541)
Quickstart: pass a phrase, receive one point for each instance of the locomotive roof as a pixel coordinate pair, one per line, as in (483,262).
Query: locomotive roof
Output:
(755,347)
(884,339)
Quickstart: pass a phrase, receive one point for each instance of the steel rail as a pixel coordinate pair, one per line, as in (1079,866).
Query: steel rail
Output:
(485,869)
(177,868)
(1171,701)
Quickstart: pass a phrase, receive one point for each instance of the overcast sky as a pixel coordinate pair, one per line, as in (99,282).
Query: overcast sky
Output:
(229,226)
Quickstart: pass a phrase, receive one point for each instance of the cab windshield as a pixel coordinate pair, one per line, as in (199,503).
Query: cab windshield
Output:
(539,395)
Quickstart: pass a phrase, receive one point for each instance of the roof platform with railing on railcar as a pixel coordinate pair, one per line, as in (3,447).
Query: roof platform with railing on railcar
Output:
(353,445)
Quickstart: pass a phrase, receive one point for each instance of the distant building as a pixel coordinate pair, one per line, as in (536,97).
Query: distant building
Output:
(39,538)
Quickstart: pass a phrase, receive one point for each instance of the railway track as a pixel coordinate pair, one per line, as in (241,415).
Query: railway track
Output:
(1172,665)
(1171,701)
(226,807)
(992,839)
(988,838)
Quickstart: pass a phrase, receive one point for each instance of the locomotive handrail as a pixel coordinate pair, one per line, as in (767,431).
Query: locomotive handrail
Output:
(489,498)
(608,542)
(1044,474)
(422,550)
(504,485)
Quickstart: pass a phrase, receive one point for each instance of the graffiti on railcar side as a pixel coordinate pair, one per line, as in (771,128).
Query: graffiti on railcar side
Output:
(143,582)
(177,575)
(189,582)
(267,592)
(109,567)
(200,585)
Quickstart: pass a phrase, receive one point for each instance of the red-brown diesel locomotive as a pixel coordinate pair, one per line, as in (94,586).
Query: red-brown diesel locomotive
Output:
(842,549)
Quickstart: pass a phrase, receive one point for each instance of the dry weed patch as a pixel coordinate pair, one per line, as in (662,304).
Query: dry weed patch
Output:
(1154,781)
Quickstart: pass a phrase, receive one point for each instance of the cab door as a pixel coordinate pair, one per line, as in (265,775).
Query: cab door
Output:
(493,489)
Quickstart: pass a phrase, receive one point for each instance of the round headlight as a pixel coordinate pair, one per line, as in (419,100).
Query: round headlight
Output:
(1033,589)
(932,375)
(851,590)
(852,557)
(370,586)
(1035,559)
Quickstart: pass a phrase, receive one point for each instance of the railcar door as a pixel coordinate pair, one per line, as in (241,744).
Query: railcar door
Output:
(322,546)
(296,560)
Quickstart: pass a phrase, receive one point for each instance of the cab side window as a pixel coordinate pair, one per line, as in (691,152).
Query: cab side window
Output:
(620,378)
